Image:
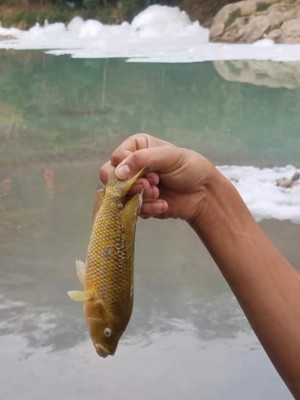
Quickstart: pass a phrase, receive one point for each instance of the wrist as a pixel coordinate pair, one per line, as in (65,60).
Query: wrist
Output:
(222,210)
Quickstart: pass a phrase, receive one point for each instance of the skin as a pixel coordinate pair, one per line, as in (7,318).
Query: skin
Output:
(265,284)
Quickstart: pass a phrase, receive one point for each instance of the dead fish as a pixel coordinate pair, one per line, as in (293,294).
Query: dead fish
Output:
(107,274)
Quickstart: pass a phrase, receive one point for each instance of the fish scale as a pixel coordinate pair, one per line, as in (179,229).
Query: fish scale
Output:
(107,275)
(111,275)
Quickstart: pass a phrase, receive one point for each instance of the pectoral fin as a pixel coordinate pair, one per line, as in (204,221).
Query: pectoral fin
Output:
(79,295)
(80,270)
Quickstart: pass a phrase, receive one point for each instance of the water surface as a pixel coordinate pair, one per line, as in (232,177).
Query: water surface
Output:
(59,121)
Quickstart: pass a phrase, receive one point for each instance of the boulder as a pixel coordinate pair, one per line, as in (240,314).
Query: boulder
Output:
(251,20)
(203,10)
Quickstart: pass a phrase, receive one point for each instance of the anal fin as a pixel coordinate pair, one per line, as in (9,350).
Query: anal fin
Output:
(79,295)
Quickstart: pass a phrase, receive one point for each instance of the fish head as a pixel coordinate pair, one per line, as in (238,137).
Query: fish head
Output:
(105,329)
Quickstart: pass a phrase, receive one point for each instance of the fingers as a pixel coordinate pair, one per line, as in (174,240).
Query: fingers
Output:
(130,145)
(105,171)
(139,151)
(163,159)
(133,143)
(150,192)
(157,209)
(147,183)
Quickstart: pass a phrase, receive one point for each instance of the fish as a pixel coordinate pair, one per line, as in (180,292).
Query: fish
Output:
(107,273)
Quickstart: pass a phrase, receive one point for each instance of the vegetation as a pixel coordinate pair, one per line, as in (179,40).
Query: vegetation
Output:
(262,6)
(25,13)
(232,17)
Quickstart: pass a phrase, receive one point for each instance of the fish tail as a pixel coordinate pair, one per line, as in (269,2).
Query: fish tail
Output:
(129,182)
(126,185)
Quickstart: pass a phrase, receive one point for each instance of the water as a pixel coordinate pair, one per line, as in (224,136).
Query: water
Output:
(59,120)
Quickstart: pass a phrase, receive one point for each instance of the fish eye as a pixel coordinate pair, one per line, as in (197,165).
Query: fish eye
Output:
(107,332)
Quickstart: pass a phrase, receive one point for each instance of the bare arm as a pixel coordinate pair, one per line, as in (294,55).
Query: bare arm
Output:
(183,184)
(264,283)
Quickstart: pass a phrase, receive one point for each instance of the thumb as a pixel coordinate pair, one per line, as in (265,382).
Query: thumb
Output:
(161,159)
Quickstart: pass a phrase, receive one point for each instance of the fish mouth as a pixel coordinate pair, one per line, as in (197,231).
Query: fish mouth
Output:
(102,351)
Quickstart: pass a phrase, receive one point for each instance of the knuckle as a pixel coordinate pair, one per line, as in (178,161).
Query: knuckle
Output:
(134,158)
(116,158)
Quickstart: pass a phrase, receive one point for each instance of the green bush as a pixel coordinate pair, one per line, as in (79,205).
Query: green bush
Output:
(262,6)
(232,17)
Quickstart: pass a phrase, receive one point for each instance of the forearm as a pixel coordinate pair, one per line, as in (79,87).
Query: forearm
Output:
(265,284)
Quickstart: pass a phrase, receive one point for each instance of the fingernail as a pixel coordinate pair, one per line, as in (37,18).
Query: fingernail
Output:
(123,171)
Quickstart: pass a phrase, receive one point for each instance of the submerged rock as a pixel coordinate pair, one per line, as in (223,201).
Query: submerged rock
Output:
(251,20)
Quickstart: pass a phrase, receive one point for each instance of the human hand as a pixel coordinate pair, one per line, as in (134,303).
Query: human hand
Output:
(177,179)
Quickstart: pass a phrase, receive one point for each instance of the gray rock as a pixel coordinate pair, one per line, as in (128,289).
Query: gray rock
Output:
(250,20)
(290,31)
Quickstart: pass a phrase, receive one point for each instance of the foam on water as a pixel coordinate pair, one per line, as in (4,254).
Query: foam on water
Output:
(157,34)
(265,199)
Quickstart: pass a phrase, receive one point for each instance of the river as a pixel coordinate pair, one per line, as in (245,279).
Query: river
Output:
(60,118)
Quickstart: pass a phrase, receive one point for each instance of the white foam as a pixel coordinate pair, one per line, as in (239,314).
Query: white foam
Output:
(157,21)
(157,34)
(265,199)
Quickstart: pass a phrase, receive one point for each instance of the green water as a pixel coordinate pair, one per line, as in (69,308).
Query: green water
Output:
(59,120)
(61,107)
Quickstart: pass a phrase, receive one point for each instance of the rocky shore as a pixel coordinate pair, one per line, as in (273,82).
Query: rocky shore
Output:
(251,20)
(229,21)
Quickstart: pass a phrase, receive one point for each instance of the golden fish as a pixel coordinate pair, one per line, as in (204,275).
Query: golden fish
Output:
(107,274)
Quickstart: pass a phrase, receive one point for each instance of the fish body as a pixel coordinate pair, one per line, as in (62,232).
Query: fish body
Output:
(107,274)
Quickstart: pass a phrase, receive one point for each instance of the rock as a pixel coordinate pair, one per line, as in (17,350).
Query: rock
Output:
(288,183)
(261,73)
(290,30)
(203,10)
(251,20)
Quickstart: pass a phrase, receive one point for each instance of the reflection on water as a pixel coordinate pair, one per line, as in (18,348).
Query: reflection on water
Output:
(185,320)
(44,235)
(187,336)
(58,108)
(261,73)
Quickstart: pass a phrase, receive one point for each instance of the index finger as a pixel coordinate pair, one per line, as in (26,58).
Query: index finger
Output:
(133,143)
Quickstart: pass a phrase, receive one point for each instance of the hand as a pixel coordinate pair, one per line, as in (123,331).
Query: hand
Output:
(176,181)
